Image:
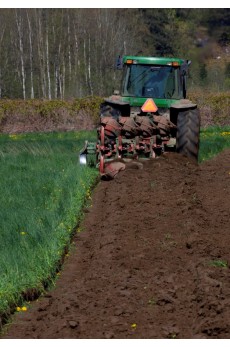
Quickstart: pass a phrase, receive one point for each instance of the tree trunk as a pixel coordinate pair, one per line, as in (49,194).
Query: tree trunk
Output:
(85,63)
(20,35)
(89,70)
(77,61)
(1,81)
(31,58)
(59,72)
(41,54)
(47,64)
(69,50)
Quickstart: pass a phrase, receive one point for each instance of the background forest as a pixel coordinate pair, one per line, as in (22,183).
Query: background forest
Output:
(69,53)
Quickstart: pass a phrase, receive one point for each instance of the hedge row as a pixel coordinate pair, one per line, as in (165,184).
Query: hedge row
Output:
(46,107)
(214,107)
(18,116)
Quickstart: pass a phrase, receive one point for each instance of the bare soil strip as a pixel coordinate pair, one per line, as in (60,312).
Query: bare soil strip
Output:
(150,261)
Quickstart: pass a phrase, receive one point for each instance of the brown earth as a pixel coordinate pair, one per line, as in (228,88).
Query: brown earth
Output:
(60,120)
(150,261)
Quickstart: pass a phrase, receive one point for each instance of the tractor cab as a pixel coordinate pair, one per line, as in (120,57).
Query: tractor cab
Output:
(162,79)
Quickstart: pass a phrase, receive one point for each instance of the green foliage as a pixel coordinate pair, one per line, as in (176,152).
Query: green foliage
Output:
(212,141)
(203,73)
(56,110)
(227,77)
(88,103)
(161,26)
(217,21)
(42,192)
(214,107)
(219,263)
(47,107)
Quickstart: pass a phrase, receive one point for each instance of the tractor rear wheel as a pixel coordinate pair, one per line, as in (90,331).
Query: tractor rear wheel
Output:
(188,129)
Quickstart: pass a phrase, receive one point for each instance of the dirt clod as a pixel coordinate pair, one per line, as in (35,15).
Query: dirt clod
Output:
(73,324)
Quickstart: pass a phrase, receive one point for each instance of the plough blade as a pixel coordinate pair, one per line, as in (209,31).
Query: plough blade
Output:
(111,169)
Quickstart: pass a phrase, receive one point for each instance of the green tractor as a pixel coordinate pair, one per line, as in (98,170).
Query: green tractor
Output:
(151,116)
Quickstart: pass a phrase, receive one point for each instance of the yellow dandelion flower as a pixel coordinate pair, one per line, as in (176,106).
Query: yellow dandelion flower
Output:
(134,325)
(225,133)
(24,308)
(14,137)
(18,309)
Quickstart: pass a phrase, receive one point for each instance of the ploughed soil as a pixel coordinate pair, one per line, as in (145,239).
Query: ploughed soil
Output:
(152,259)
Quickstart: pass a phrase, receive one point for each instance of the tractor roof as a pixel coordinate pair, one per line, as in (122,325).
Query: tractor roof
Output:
(151,60)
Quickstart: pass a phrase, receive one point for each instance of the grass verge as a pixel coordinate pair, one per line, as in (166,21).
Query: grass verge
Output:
(213,140)
(42,191)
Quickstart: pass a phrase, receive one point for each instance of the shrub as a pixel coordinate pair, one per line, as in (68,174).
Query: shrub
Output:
(214,107)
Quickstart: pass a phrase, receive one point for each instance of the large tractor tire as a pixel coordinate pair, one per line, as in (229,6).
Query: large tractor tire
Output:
(188,130)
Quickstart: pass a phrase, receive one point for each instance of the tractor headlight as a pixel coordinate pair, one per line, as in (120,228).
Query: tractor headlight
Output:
(82,159)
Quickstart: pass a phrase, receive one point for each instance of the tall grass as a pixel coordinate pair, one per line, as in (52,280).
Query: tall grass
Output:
(212,141)
(42,192)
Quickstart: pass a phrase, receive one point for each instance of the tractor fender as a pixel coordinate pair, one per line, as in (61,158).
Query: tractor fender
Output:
(115,101)
(183,103)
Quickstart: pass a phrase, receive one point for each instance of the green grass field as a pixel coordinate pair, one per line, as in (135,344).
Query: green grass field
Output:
(42,191)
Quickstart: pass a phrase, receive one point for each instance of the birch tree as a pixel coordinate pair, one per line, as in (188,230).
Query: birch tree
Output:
(47,59)
(31,56)
(2,32)
(19,23)
(62,53)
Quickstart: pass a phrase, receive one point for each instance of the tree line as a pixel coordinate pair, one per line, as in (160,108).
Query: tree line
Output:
(68,53)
